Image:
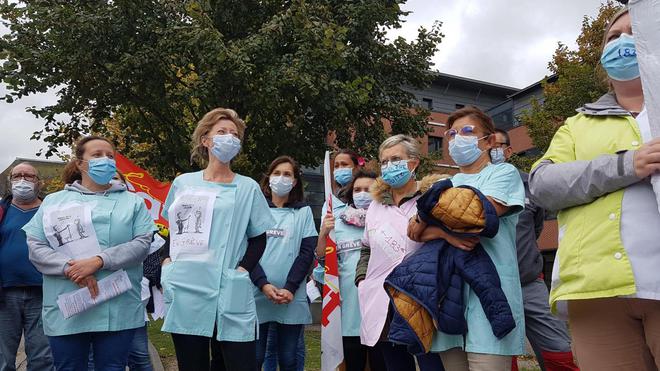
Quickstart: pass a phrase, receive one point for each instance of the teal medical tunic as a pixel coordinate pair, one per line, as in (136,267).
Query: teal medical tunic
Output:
(349,242)
(503,183)
(207,291)
(283,247)
(117,217)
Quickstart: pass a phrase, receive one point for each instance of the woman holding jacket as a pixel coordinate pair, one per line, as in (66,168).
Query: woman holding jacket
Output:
(221,218)
(385,245)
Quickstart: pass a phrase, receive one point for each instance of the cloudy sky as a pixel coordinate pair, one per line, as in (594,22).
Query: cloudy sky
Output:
(503,42)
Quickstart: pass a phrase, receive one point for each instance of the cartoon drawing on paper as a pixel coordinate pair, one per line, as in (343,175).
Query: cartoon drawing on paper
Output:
(180,223)
(58,235)
(62,230)
(198,220)
(194,213)
(69,228)
(81,229)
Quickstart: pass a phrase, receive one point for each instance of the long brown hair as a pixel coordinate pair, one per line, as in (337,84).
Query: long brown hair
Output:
(71,173)
(297,194)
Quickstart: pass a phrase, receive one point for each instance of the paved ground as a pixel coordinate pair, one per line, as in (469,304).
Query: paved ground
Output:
(21,361)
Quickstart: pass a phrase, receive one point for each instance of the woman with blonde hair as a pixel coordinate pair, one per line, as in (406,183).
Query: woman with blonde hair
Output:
(223,218)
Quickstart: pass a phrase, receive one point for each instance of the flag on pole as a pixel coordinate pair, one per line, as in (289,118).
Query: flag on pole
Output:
(142,184)
(332,351)
(646,28)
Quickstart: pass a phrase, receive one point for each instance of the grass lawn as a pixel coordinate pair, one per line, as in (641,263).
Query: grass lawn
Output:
(162,341)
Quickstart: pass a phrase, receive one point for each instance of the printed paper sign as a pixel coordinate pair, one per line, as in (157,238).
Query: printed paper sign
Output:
(81,300)
(190,218)
(69,229)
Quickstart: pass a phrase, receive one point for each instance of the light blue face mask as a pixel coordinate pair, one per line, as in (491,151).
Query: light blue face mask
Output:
(101,170)
(396,173)
(362,200)
(619,59)
(225,147)
(464,149)
(343,175)
(497,155)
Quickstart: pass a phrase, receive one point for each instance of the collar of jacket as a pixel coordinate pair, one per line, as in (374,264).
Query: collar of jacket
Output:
(429,199)
(604,106)
(78,187)
(294,205)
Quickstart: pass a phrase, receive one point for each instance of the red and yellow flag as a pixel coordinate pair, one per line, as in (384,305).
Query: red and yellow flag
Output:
(142,184)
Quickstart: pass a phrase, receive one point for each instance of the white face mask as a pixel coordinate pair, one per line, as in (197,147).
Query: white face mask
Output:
(281,185)
(23,191)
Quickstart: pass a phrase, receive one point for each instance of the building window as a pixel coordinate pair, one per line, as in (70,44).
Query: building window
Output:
(428,102)
(459,106)
(435,144)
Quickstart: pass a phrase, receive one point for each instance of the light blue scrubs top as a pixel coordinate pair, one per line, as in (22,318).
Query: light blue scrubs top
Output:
(502,182)
(203,294)
(284,239)
(349,239)
(117,217)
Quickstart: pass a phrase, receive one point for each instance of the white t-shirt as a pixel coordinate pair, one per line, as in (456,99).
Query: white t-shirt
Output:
(640,229)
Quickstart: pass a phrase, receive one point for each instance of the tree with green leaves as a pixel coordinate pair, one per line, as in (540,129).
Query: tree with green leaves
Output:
(144,72)
(580,80)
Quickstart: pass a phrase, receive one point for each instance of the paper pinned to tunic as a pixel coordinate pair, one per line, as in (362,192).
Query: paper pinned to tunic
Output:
(191,216)
(69,229)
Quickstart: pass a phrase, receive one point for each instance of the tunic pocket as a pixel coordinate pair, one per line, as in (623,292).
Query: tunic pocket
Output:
(238,293)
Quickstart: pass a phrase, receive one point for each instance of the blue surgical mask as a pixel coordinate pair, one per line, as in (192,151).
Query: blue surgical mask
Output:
(464,150)
(396,174)
(225,147)
(280,185)
(497,155)
(362,200)
(343,175)
(101,170)
(619,59)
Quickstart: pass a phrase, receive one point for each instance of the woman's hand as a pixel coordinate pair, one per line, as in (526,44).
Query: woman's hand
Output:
(166,261)
(466,244)
(327,225)
(271,293)
(90,283)
(647,159)
(83,268)
(286,296)
(416,228)
(430,233)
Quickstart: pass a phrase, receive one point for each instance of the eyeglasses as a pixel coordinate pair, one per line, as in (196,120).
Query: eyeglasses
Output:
(19,176)
(465,130)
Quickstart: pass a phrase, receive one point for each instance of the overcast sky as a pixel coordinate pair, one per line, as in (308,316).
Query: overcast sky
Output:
(503,42)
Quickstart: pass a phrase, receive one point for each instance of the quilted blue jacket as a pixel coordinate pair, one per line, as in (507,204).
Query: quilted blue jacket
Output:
(434,276)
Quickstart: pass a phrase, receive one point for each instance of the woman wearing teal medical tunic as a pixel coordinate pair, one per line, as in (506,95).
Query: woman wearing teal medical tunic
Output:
(79,236)
(221,219)
(347,220)
(280,293)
